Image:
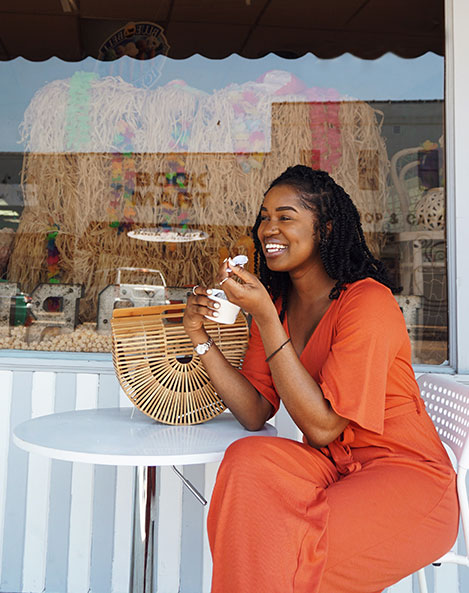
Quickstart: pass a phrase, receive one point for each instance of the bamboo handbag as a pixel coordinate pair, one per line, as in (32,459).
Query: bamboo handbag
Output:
(158,369)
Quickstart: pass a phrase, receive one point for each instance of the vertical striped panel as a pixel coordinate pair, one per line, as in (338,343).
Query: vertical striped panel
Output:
(429,574)
(123,523)
(446,576)
(123,518)
(102,546)
(124,401)
(403,586)
(155,518)
(87,391)
(58,527)
(446,579)
(211,470)
(6,378)
(192,532)
(463,571)
(14,523)
(81,511)
(37,505)
(168,543)
(109,392)
(285,425)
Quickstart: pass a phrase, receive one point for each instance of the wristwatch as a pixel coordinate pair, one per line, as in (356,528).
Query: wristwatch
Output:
(203,348)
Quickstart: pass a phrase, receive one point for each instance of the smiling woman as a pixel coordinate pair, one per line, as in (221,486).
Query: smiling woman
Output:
(308,209)
(329,341)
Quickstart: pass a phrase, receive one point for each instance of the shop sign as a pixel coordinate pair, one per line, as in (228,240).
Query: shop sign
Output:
(141,40)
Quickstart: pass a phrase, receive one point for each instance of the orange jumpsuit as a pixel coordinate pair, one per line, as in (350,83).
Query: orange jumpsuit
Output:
(374,506)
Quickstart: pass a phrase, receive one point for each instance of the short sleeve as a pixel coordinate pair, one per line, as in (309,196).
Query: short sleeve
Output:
(370,331)
(257,371)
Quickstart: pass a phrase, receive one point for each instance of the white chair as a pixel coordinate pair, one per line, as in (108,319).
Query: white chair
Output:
(447,403)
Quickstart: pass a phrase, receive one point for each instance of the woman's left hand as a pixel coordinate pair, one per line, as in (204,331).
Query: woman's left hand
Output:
(250,294)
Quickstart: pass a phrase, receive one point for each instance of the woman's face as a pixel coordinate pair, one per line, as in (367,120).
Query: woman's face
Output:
(288,231)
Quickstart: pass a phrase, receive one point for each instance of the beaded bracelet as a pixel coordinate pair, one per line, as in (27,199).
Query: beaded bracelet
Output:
(278,350)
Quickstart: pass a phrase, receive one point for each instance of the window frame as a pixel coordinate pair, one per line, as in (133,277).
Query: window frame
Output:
(457,182)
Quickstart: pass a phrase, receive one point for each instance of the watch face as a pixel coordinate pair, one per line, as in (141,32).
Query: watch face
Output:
(201,348)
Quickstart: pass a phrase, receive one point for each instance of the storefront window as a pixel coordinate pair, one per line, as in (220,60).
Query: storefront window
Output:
(124,183)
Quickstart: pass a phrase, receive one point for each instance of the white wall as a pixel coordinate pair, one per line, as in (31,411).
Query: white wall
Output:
(68,526)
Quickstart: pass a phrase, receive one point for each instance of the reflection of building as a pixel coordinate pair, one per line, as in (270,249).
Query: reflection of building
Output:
(11,195)
(410,123)
(194,187)
(413,132)
(416,247)
(94,198)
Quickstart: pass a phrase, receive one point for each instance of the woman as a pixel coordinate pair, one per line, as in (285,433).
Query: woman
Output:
(369,496)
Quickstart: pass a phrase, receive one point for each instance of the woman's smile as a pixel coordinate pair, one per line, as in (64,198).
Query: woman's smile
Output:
(274,248)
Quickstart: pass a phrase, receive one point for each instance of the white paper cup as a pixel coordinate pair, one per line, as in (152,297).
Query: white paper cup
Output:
(227,312)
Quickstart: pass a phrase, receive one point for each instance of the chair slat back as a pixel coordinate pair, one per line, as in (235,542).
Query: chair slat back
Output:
(447,403)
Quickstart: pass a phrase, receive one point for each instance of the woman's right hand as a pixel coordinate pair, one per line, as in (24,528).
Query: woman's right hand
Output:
(198,306)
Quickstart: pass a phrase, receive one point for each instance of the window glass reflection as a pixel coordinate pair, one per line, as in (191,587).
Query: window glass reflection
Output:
(118,178)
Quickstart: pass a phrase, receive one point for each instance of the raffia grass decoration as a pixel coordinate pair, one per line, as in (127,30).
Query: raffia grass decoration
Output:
(158,369)
(224,191)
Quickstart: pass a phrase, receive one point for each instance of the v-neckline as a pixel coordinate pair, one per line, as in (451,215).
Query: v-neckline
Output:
(287,329)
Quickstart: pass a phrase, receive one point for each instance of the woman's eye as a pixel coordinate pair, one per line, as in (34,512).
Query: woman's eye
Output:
(264,218)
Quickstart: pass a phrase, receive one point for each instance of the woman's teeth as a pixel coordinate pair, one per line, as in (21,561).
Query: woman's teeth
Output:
(274,247)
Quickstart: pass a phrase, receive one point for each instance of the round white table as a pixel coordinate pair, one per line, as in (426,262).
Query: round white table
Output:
(126,436)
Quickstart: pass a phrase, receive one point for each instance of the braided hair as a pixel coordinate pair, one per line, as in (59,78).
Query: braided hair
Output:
(342,248)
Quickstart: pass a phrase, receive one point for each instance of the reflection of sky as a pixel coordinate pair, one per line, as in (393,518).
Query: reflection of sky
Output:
(388,78)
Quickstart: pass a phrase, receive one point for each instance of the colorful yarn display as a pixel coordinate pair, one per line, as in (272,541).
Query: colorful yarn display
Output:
(181,131)
(142,168)
(324,121)
(325,135)
(176,183)
(53,256)
(174,211)
(77,126)
(122,180)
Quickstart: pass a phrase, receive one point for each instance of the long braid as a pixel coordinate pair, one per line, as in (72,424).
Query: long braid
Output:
(343,249)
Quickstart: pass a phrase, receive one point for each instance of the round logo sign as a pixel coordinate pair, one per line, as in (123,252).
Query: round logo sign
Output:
(141,41)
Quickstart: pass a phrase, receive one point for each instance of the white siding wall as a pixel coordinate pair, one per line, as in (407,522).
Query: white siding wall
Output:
(68,526)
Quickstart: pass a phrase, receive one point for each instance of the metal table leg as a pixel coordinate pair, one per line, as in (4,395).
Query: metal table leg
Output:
(190,486)
(141,575)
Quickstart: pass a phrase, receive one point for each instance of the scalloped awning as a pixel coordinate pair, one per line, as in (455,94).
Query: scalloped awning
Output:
(75,29)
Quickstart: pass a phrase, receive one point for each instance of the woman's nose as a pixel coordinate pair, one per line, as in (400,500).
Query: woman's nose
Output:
(270,228)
